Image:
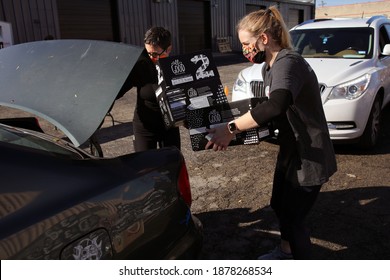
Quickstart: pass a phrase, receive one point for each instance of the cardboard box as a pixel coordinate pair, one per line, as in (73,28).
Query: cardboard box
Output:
(187,81)
(198,120)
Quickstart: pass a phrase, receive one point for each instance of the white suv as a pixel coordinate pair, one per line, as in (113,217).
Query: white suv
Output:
(351,58)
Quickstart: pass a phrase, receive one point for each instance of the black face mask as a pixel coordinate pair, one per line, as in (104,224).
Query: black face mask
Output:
(259,57)
(252,54)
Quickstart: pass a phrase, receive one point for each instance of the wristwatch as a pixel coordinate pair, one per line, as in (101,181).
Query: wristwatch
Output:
(232,127)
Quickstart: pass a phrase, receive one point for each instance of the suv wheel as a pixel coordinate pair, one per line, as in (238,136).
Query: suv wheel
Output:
(371,132)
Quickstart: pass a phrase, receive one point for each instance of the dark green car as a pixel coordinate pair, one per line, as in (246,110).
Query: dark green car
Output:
(58,201)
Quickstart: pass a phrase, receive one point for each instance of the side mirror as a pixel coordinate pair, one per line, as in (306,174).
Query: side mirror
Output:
(386,50)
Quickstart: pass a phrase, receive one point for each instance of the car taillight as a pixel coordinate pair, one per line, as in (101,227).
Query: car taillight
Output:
(184,185)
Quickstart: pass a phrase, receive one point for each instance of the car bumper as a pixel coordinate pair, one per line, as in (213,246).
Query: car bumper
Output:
(190,245)
(347,119)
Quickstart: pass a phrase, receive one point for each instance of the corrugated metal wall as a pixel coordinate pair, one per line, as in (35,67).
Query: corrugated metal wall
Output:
(134,18)
(88,19)
(224,16)
(137,16)
(31,20)
(35,19)
(226,13)
(220,20)
(285,9)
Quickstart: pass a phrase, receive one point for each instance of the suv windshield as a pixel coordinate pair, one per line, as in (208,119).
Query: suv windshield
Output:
(334,42)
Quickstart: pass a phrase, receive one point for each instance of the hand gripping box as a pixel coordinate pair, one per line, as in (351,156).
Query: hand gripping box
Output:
(200,119)
(187,81)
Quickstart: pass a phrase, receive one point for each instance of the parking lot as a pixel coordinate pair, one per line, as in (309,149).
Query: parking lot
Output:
(231,190)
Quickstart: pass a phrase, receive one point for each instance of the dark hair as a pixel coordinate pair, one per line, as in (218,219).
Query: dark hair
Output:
(268,21)
(158,36)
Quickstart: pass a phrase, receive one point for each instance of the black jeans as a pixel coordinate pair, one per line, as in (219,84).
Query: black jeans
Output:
(148,139)
(292,204)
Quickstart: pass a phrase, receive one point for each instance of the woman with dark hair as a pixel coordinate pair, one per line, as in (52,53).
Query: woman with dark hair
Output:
(148,124)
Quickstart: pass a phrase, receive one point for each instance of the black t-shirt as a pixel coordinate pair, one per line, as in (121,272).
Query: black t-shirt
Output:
(299,116)
(144,77)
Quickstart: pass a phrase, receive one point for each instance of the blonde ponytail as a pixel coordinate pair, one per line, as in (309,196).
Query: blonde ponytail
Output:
(268,21)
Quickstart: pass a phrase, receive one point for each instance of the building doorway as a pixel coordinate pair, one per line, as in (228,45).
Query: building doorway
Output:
(88,19)
(194,20)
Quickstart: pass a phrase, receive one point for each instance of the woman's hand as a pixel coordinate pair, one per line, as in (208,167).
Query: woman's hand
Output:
(220,138)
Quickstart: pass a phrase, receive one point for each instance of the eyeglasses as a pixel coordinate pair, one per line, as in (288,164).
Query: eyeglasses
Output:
(156,55)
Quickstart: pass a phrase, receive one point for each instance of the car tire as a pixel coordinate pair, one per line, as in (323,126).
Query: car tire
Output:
(371,132)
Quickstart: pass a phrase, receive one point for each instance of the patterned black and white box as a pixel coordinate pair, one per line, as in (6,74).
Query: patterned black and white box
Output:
(198,120)
(187,82)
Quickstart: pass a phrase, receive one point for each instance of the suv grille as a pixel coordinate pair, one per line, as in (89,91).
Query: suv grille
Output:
(322,88)
(257,88)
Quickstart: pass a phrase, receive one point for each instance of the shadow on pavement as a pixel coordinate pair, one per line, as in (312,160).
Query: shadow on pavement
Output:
(346,224)
(115,132)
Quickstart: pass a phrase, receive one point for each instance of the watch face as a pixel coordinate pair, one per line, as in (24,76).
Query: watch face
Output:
(232,127)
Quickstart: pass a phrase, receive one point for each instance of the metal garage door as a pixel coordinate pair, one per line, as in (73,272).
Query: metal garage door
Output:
(294,17)
(194,25)
(88,19)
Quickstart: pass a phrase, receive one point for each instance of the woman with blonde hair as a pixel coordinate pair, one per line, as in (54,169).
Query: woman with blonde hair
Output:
(306,158)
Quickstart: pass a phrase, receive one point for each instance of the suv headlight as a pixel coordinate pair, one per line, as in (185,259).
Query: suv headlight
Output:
(240,85)
(352,89)
(241,89)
